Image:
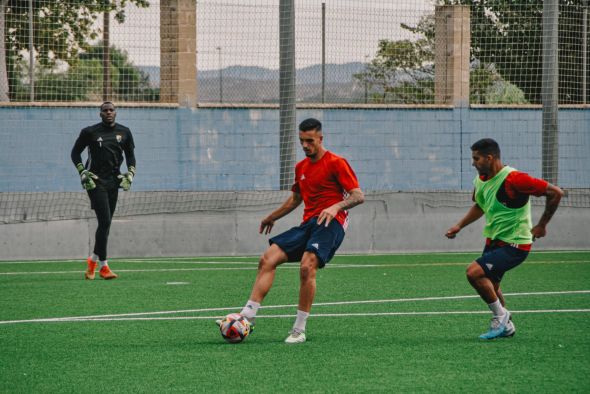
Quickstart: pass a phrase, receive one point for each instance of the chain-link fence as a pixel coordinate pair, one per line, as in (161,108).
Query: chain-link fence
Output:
(351,52)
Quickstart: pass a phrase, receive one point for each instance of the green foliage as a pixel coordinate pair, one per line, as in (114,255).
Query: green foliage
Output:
(509,35)
(399,73)
(488,87)
(84,80)
(127,81)
(403,72)
(62,30)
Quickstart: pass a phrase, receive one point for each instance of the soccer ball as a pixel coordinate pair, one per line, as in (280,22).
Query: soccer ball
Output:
(234,328)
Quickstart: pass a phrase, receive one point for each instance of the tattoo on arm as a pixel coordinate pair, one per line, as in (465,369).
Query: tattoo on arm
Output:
(354,198)
(553,196)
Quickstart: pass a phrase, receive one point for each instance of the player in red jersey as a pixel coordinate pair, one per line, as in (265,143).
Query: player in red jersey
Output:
(328,187)
(502,195)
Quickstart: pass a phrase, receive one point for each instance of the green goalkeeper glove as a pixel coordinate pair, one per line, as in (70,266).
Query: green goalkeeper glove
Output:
(86,177)
(126,179)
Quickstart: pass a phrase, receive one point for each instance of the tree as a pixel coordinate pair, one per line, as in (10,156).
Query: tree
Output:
(403,72)
(84,80)
(129,83)
(508,34)
(62,29)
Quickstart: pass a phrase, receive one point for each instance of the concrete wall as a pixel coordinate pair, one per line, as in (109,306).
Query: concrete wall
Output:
(237,149)
(387,222)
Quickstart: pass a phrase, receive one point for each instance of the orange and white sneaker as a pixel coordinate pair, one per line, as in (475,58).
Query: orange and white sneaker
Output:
(89,275)
(106,273)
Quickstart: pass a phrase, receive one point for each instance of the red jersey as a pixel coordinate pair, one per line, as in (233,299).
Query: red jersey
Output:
(323,184)
(518,186)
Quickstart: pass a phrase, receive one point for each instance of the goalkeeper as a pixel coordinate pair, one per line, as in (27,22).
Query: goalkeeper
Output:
(101,177)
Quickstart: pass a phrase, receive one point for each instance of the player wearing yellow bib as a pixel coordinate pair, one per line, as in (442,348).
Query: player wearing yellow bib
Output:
(502,195)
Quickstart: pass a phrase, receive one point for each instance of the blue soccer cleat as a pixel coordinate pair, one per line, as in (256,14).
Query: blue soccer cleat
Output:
(497,327)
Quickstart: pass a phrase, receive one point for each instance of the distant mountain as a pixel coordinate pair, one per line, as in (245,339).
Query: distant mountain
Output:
(335,73)
(242,72)
(261,85)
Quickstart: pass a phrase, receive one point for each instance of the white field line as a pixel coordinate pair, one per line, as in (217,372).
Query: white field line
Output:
(180,260)
(144,270)
(126,261)
(320,304)
(367,314)
(254,266)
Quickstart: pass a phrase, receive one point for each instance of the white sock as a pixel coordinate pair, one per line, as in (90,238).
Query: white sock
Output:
(103,263)
(94,258)
(497,308)
(301,320)
(250,309)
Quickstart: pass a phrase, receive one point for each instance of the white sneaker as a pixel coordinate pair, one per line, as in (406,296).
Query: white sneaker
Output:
(510,330)
(295,336)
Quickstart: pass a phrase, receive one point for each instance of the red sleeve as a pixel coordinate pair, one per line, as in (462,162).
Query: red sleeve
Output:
(345,175)
(295,188)
(521,182)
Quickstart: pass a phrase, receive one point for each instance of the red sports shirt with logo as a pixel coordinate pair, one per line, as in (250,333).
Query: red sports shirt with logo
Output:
(323,184)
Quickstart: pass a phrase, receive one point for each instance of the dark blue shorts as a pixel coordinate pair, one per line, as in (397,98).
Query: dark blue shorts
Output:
(311,237)
(496,260)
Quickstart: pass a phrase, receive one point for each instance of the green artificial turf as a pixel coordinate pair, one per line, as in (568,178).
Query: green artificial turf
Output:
(395,323)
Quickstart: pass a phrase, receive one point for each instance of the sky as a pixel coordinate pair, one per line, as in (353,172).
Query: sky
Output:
(246,32)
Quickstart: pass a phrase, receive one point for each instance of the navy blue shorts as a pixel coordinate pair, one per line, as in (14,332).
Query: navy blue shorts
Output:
(311,237)
(496,260)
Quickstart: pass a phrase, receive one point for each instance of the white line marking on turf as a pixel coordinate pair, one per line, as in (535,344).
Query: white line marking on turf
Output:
(125,261)
(360,256)
(285,266)
(177,283)
(394,300)
(148,270)
(366,314)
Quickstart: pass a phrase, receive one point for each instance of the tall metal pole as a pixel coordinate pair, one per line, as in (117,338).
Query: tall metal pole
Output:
(584,51)
(106,57)
(366,82)
(220,76)
(31,54)
(287,111)
(550,90)
(323,52)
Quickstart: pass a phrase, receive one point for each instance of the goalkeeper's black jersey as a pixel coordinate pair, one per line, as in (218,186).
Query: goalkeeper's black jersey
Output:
(106,145)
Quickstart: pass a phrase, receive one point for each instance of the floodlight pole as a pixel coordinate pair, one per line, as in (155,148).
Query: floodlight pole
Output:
(584,50)
(220,76)
(366,81)
(323,53)
(550,90)
(287,110)
(106,57)
(31,53)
